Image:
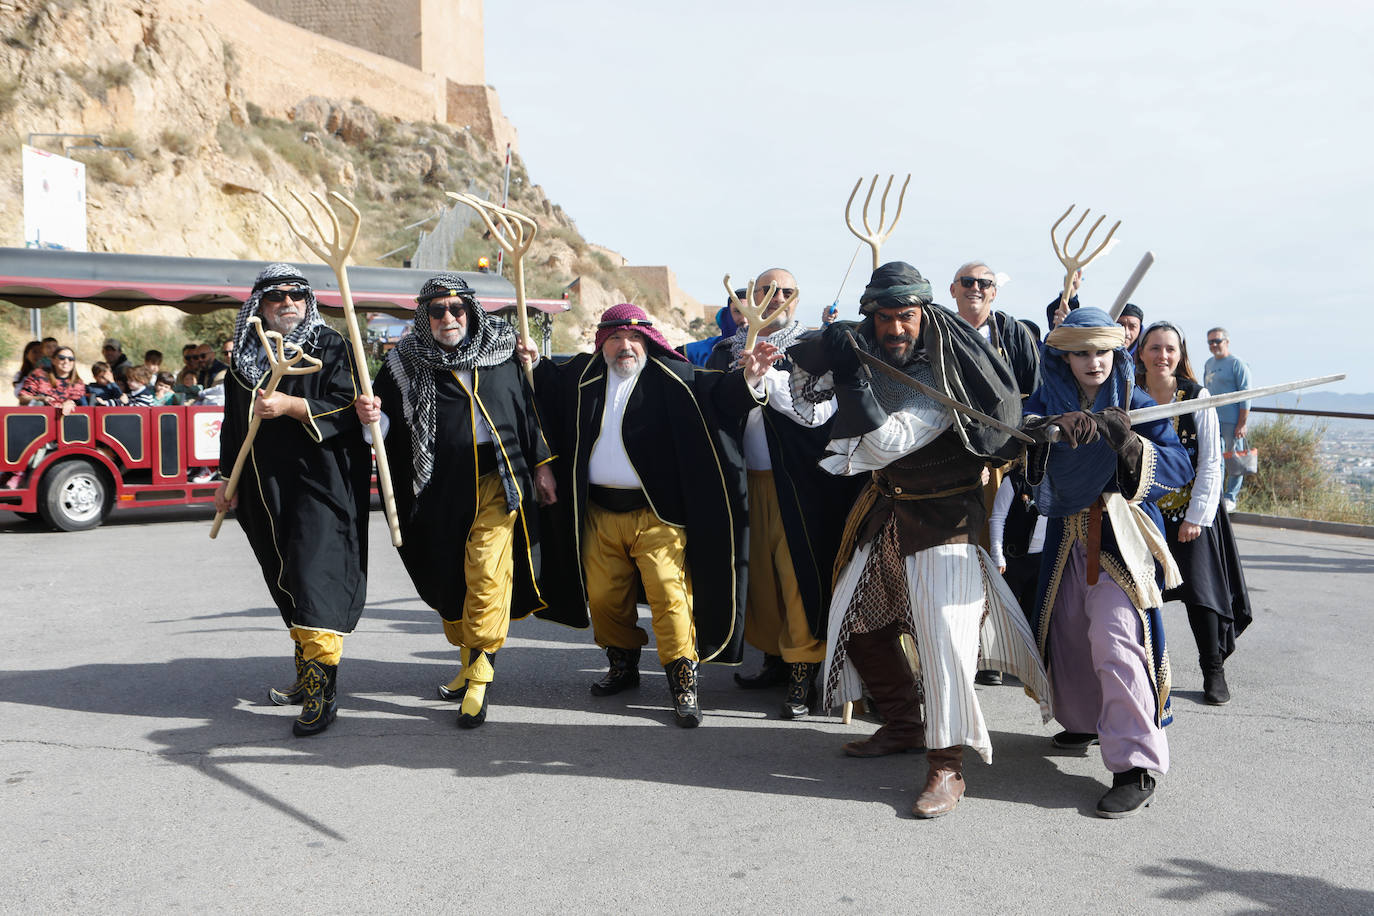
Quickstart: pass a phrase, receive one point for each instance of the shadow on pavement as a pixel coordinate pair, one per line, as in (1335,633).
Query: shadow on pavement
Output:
(1272,891)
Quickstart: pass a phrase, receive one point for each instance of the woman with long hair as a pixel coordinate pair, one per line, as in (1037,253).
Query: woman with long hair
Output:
(60,386)
(33,352)
(1196,525)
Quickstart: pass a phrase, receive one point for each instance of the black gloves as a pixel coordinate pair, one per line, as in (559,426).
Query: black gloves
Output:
(1115,426)
(1075,429)
(840,354)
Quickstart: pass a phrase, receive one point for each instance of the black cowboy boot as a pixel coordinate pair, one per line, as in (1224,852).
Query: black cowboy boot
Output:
(773,672)
(801,690)
(296,693)
(319,708)
(480,669)
(453,691)
(623,673)
(1214,689)
(682,685)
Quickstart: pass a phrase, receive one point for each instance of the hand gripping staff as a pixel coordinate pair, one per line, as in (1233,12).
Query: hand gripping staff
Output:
(284,358)
(876,237)
(515,236)
(756,312)
(334,251)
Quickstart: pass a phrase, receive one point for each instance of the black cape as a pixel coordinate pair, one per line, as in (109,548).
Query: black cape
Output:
(813,505)
(670,433)
(435,525)
(1020,350)
(303,495)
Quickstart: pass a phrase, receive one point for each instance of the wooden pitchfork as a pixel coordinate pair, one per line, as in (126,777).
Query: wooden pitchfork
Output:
(755,312)
(1076,262)
(875,238)
(284,358)
(334,251)
(515,240)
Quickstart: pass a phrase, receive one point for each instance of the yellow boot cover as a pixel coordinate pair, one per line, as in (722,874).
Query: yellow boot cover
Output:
(479,673)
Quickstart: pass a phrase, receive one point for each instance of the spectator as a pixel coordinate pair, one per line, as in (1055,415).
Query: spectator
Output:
(188,359)
(1131,319)
(60,386)
(113,351)
(104,391)
(140,391)
(209,371)
(228,350)
(187,387)
(1223,374)
(49,347)
(164,392)
(33,353)
(152,359)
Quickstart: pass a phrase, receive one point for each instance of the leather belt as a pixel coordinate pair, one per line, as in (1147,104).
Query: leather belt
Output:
(1094,541)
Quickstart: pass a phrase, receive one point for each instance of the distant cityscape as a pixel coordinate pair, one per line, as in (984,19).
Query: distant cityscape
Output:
(1347,446)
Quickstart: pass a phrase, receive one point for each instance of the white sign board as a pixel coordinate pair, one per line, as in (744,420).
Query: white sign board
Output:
(54,201)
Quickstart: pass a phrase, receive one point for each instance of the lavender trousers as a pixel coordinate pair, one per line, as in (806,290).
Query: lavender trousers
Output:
(1099,671)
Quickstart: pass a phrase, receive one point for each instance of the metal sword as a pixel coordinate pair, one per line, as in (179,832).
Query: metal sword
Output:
(1179,408)
(870,362)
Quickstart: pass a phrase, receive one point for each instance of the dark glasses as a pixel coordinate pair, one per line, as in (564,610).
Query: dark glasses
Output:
(456,309)
(1213,341)
(784,291)
(279,295)
(64,359)
(983,282)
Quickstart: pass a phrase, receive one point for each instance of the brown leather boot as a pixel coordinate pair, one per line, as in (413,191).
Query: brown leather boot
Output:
(944,783)
(887,675)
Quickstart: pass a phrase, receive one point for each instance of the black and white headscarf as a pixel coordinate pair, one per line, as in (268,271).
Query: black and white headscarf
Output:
(782,338)
(250,362)
(490,341)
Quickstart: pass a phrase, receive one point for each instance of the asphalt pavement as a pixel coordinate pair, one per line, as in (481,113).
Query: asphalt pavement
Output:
(144,770)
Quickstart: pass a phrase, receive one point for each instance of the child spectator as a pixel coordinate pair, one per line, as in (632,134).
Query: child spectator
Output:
(140,392)
(187,387)
(162,390)
(104,391)
(152,361)
(33,352)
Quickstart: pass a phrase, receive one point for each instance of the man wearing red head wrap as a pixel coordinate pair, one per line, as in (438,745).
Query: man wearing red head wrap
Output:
(644,499)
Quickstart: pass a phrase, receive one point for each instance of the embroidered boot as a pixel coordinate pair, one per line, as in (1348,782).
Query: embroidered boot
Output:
(944,783)
(1214,689)
(801,690)
(294,695)
(773,672)
(318,709)
(682,684)
(623,673)
(479,668)
(893,689)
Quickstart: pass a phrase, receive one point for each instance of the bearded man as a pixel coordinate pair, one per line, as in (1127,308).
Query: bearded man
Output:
(468,461)
(794,510)
(303,493)
(646,500)
(911,565)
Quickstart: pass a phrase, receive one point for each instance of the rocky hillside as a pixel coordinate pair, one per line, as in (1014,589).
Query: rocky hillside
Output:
(155,76)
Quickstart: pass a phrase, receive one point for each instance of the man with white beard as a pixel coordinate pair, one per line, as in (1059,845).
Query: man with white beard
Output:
(645,500)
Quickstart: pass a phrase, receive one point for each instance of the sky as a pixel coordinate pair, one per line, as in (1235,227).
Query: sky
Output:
(1234,140)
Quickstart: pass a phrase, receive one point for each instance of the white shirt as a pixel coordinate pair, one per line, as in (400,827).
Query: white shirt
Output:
(609,464)
(777,388)
(1202,508)
(997,524)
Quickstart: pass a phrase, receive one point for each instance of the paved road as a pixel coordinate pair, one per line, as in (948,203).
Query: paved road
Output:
(143,770)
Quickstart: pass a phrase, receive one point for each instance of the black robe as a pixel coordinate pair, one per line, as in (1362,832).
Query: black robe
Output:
(670,427)
(813,505)
(1019,349)
(435,524)
(303,495)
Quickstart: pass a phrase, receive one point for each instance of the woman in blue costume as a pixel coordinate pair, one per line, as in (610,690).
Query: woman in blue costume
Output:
(1097,617)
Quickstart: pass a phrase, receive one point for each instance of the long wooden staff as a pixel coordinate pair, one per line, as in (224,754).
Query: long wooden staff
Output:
(519,234)
(334,251)
(283,357)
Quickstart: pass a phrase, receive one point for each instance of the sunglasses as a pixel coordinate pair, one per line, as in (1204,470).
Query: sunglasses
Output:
(785,291)
(456,309)
(64,359)
(279,295)
(983,282)
(1213,341)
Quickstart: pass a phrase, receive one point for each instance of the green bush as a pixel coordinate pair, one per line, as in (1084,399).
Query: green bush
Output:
(1291,480)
